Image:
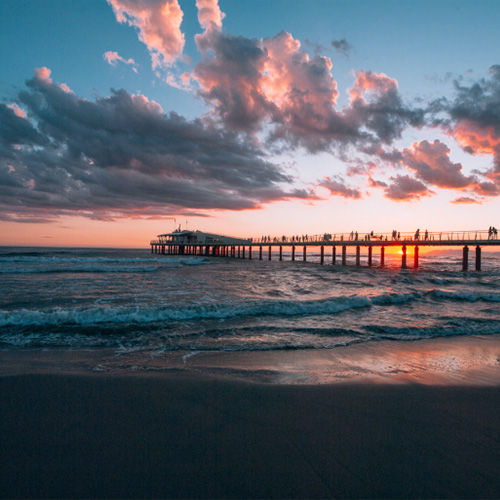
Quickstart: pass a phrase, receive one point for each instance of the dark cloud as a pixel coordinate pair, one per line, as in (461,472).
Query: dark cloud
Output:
(405,188)
(15,129)
(336,186)
(273,84)
(123,154)
(465,200)
(479,103)
(473,117)
(342,46)
(431,163)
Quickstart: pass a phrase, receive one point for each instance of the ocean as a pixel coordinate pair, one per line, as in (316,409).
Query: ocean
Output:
(139,305)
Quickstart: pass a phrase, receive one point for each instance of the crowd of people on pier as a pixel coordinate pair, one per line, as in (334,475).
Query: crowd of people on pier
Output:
(372,236)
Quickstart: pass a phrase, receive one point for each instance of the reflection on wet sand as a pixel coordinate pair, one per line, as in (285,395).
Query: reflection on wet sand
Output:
(471,360)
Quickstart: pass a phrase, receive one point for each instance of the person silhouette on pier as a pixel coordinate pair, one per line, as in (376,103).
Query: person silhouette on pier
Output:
(417,234)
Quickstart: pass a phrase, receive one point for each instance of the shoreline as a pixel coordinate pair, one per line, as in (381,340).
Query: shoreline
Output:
(442,361)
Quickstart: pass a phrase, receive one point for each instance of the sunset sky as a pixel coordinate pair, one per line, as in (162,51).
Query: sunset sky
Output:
(246,118)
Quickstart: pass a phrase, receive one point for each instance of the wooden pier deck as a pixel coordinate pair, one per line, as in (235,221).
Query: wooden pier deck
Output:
(328,244)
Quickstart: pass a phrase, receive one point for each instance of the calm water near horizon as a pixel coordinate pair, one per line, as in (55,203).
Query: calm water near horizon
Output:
(135,301)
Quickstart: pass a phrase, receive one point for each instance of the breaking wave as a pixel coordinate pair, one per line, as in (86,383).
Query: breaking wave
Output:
(127,315)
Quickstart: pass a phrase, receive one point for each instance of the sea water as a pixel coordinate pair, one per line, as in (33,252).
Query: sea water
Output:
(132,300)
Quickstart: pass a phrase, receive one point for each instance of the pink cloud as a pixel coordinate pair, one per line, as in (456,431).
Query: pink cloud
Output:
(17,110)
(65,88)
(158,24)
(113,58)
(43,74)
(476,139)
(209,14)
(368,82)
(253,81)
(302,87)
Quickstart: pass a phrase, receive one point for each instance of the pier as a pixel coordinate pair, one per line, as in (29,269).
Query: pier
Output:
(331,246)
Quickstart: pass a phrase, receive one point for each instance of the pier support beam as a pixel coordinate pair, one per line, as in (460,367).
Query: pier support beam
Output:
(269,256)
(243,251)
(250,252)
(382,256)
(239,252)
(293,252)
(478,258)
(334,254)
(370,255)
(465,258)
(415,258)
(358,255)
(304,255)
(403,258)
(322,257)
(344,255)
(260,252)
(281,252)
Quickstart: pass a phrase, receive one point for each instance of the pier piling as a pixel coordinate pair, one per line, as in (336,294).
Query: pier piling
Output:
(465,258)
(478,258)
(403,258)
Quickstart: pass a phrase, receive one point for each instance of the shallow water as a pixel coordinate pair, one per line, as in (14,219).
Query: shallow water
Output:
(132,300)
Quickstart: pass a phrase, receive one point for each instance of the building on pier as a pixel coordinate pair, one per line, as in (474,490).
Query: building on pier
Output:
(185,237)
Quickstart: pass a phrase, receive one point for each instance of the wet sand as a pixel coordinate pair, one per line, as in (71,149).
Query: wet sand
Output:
(182,434)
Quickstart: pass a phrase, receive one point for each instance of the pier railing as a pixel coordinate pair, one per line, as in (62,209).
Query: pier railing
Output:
(335,238)
(413,237)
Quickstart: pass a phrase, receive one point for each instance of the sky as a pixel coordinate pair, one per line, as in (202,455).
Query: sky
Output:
(123,119)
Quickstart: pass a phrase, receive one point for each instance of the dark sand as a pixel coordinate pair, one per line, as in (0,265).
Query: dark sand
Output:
(182,435)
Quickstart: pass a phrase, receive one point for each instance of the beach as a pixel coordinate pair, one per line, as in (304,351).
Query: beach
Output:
(125,374)
(200,432)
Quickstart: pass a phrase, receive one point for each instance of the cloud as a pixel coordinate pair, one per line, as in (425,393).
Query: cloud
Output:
(473,118)
(272,84)
(113,58)
(342,46)
(337,187)
(377,107)
(16,129)
(405,188)
(465,200)
(209,14)
(430,161)
(122,154)
(158,25)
